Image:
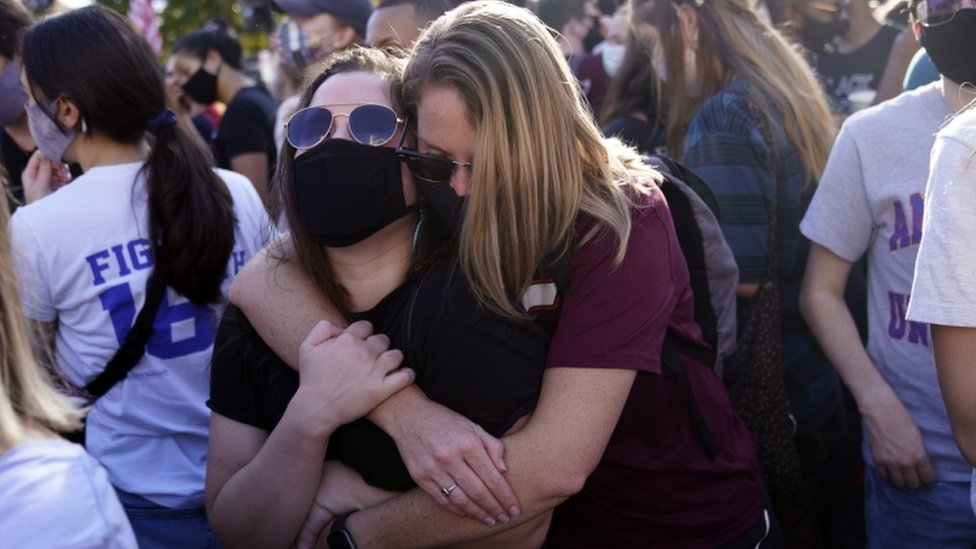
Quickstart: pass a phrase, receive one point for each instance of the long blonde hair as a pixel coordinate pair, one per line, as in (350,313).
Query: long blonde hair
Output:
(540,159)
(733,42)
(28,400)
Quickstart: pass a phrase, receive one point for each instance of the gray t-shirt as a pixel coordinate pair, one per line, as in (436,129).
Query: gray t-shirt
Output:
(870,200)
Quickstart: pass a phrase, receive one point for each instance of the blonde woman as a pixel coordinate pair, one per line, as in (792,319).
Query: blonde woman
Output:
(54,494)
(748,115)
(509,155)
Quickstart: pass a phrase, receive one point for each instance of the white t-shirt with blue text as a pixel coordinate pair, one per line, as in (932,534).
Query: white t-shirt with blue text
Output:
(83,259)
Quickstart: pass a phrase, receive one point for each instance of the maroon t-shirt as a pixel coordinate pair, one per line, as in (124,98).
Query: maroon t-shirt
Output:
(654,485)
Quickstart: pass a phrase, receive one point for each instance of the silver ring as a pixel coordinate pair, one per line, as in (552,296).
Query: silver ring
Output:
(446,492)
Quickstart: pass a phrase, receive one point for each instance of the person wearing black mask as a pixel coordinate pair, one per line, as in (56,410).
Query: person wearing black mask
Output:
(854,49)
(870,203)
(374,244)
(207,63)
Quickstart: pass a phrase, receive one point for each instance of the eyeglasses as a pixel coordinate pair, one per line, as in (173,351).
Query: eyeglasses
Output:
(430,168)
(369,124)
(932,13)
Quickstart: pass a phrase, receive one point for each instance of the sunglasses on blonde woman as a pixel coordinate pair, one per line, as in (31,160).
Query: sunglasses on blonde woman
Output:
(932,13)
(430,168)
(369,124)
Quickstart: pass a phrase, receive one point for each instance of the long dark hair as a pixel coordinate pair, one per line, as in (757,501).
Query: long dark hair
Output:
(433,238)
(93,58)
(635,87)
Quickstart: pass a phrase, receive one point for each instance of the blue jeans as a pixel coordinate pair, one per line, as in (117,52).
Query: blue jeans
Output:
(936,516)
(158,527)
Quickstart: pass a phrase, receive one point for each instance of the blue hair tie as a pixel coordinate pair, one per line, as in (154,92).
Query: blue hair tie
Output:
(161,120)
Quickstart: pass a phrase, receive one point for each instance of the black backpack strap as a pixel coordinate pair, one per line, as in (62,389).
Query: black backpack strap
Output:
(134,346)
(690,178)
(671,360)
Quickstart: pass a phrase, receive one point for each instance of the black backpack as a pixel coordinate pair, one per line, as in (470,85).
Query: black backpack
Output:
(714,277)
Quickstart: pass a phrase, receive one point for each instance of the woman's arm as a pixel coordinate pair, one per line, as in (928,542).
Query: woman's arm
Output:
(260,487)
(577,412)
(954,349)
(896,441)
(282,303)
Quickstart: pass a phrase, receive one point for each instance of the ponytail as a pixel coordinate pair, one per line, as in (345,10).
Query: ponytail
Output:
(191,214)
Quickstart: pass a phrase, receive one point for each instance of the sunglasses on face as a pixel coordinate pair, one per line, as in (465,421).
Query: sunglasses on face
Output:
(369,124)
(932,13)
(430,168)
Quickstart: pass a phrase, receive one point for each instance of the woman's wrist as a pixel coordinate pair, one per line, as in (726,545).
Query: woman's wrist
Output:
(315,418)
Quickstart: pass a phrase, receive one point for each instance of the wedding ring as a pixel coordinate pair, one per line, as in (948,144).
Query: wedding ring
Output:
(446,492)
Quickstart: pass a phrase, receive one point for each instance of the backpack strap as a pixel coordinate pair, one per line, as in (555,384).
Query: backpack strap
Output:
(671,359)
(134,345)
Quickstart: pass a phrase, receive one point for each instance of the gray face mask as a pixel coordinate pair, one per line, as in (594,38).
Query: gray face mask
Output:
(12,96)
(50,140)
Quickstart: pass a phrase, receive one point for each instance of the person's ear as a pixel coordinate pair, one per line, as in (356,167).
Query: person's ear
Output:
(917,30)
(212,62)
(69,115)
(688,19)
(343,38)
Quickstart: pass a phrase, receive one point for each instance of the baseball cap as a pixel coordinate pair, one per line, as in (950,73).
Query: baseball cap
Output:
(354,13)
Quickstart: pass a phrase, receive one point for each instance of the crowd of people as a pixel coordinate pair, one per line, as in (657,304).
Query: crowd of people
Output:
(424,288)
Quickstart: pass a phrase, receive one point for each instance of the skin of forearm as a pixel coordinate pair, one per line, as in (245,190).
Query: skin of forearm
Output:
(264,504)
(414,520)
(832,324)
(548,461)
(264,290)
(954,349)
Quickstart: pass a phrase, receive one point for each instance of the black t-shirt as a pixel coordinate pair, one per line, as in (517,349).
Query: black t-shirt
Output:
(858,70)
(246,127)
(485,367)
(14,161)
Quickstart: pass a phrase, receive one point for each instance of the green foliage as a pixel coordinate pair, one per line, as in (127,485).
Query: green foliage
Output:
(182,16)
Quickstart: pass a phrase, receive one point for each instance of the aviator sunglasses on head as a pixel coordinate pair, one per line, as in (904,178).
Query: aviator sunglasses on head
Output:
(430,168)
(369,124)
(932,13)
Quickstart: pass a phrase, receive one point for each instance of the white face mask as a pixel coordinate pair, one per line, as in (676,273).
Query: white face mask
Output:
(613,57)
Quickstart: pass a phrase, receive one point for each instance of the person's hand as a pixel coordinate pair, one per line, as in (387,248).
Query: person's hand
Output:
(42,177)
(896,442)
(444,450)
(345,373)
(341,490)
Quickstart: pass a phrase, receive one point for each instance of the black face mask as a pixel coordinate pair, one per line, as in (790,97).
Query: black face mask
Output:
(948,43)
(346,192)
(445,203)
(202,87)
(817,36)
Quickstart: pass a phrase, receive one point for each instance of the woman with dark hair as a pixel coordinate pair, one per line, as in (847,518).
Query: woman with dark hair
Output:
(633,108)
(208,64)
(143,219)
(611,450)
(367,240)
